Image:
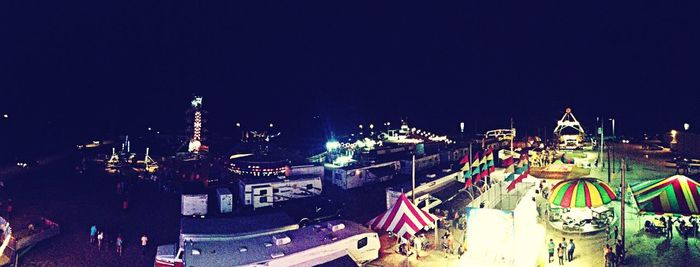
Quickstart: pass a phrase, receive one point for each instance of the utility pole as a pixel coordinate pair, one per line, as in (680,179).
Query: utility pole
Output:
(602,137)
(612,145)
(512,129)
(413,179)
(623,166)
(608,164)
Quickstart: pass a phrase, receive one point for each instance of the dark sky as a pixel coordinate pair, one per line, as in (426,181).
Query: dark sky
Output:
(101,67)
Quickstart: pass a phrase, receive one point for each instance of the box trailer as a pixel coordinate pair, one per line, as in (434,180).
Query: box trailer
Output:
(194,204)
(224,199)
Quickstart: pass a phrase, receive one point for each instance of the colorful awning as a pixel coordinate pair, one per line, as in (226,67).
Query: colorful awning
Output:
(677,194)
(581,193)
(403,218)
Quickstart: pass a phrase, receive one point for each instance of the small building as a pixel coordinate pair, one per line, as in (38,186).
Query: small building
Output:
(224,199)
(357,176)
(265,191)
(194,199)
(422,163)
(453,154)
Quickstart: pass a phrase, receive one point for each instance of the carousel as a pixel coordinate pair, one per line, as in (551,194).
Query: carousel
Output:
(580,206)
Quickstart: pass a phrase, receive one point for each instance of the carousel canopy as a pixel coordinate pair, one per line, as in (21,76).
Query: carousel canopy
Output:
(678,195)
(403,218)
(581,193)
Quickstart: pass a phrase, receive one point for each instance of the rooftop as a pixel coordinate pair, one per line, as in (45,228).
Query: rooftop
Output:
(261,248)
(236,226)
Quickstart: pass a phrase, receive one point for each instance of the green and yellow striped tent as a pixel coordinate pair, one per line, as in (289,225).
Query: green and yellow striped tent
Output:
(675,195)
(581,193)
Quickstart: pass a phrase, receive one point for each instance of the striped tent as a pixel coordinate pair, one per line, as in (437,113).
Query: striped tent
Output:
(675,195)
(581,193)
(403,218)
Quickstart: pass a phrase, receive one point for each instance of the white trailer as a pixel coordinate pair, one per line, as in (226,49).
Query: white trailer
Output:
(225,200)
(265,191)
(422,163)
(352,177)
(197,230)
(308,246)
(194,204)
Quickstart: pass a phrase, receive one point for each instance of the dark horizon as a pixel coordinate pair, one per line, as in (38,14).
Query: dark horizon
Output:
(78,70)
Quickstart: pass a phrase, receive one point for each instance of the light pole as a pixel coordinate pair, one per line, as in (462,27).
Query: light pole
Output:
(602,137)
(612,146)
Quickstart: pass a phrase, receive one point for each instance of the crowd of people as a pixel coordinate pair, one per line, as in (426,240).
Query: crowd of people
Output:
(564,250)
(98,237)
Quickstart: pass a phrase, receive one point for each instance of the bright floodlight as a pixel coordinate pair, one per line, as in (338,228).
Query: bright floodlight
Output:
(272,125)
(197,101)
(686,126)
(5,116)
(238,124)
(673,133)
(331,145)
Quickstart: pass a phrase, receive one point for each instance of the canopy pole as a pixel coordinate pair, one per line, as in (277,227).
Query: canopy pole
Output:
(436,233)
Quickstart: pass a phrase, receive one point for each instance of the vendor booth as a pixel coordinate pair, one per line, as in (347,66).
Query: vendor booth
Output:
(580,205)
(658,200)
(403,219)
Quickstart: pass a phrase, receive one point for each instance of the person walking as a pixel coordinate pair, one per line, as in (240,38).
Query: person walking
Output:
(451,244)
(119,244)
(144,243)
(550,250)
(619,251)
(560,254)
(418,245)
(100,236)
(616,232)
(570,250)
(669,228)
(606,252)
(93,233)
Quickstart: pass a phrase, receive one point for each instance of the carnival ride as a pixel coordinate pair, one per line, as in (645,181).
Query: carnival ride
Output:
(569,132)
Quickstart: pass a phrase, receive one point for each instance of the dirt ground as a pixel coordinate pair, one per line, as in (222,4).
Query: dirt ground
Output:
(76,202)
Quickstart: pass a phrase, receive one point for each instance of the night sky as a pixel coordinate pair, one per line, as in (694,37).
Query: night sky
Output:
(90,68)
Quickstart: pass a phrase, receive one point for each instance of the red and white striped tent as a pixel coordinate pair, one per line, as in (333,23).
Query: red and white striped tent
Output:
(403,218)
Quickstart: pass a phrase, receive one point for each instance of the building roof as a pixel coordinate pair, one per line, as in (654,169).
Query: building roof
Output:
(237,226)
(229,252)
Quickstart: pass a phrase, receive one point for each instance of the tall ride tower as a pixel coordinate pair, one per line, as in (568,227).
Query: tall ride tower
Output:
(197,120)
